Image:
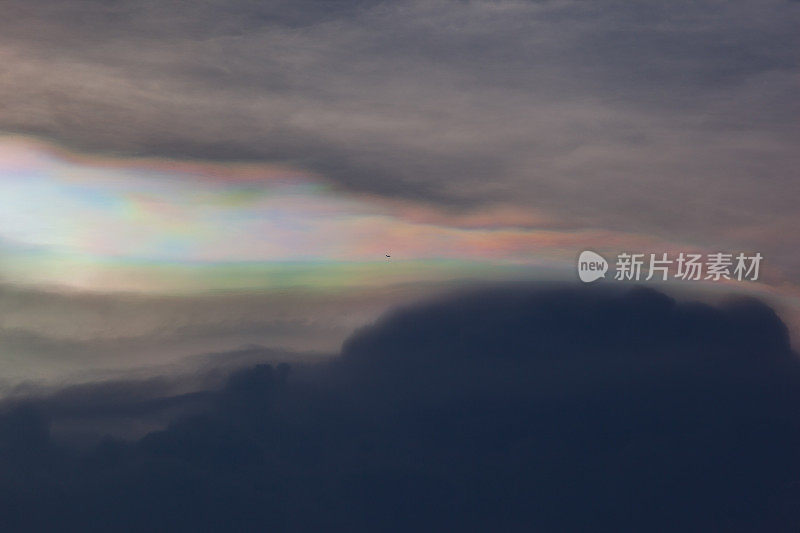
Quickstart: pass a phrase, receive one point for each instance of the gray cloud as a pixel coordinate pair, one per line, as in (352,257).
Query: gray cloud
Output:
(49,337)
(670,119)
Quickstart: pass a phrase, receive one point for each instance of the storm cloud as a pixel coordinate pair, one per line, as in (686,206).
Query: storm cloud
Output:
(512,409)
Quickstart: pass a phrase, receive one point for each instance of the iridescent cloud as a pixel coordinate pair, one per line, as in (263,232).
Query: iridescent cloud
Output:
(100,223)
(161,226)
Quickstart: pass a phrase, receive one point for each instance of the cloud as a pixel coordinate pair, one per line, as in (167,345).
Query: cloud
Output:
(580,329)
(513,408)
(624,115)
(52,337)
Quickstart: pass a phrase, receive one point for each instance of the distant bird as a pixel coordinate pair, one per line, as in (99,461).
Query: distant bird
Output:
(387,257)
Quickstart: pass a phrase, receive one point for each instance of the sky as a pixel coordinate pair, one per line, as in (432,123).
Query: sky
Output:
(287,147)
(388,197)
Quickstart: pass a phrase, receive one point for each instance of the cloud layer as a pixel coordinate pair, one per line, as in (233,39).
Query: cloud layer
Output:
(664,117)
(509,409)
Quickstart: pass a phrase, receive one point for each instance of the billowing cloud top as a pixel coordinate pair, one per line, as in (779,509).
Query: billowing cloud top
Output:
(506,409)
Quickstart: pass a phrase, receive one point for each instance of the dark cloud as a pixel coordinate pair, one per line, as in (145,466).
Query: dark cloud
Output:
(510,409)
(628,115)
